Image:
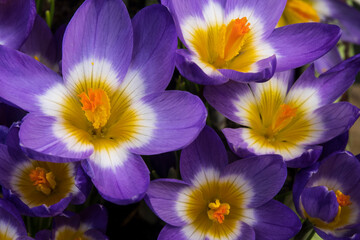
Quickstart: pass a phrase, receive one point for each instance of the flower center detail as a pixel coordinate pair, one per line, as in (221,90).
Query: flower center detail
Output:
(282,118)
(96,105)
(342,199)
(231,39)
(217,211)
(302,11)
(43,180)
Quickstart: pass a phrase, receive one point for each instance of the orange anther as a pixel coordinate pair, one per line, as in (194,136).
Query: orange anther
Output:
(342,199)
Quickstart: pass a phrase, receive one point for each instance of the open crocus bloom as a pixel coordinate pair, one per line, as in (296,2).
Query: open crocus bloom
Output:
(11,224)
(279,117)
(328,195)
(39,188)
(235,39)
(16,21)
(217,200)
(111,105)
(333,11)
(88,225)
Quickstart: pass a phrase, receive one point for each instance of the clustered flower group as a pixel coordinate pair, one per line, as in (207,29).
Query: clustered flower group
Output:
(96,98)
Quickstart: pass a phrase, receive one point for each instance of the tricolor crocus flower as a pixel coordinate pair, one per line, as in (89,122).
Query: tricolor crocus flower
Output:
(41,44)
(328,195)
(235,39)
(12,226)
(333,11)
(217,200)
(16,21)
(88,225)
(286,118)
(111,105)
(39,188)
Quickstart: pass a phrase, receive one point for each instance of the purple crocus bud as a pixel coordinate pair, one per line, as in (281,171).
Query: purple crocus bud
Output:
(89,224)
(16,21)
(39,188)
(111,105)
(11,223)
(217,200)
(287,118)
(345,16)
(328,195)
(235,40)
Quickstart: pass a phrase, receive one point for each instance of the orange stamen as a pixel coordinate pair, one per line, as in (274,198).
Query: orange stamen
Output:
(235,36)
(43,180)
(284,117)
(218,211)
(342,199)
(96,105)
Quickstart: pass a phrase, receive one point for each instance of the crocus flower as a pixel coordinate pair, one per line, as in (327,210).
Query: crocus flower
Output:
(236,40)
(279,117)
(328,195)
(41,44)
(334,11)
(39,188)
(12,226)
(88,225)
(111,106)
(16,21)
(217,200)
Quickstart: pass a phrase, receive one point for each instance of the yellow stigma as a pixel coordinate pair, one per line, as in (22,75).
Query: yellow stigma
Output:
(43,180)
(218,211)
(96,105)
(342,199)
(36,58)
(231,39)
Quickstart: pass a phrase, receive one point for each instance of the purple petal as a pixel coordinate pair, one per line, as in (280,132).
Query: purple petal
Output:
(301,179)
(320,203)
(307,158)
(42,44)
(207,151)
(11,220)
(95,234)
(23,79)
(263,175)
(124,181)
(83,183)
(37,133)
(43,235)
(224,99)
(299,44)
(266,70)
(16,20)
(328,61)
(153,59)
(335,145)
(275,221)
(336,119)
(236,143)
(162,197)
(180,116)
(341,167)
(95,216)
(171,232)
(348,18)
(99,30)
(191,71)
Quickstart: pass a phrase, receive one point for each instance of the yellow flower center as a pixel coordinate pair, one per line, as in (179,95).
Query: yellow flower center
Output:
(298,11)
(342,199)
(282,118)
(231,38)
(43,180)
(217,211)
(96,105)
